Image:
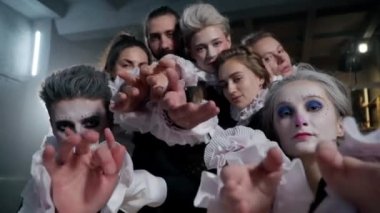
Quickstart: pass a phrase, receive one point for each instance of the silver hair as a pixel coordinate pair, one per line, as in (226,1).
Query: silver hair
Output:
(336,91)
(199,16)
(80,81)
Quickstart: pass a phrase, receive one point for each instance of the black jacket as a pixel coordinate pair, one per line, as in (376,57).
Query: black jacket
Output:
(180,166)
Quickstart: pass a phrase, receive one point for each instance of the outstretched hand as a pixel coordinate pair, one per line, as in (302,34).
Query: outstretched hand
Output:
(83,181)
(133,92)
(161,82)
(250,189)
(185,114)
(353,179)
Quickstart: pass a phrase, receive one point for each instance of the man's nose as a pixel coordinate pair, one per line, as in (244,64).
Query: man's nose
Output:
(165,42)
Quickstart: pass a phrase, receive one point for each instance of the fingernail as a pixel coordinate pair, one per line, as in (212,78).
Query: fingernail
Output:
(160,89)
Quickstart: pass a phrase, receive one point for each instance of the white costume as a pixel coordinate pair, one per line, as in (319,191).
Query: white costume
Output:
(154,119)
(243,145)
(134,190)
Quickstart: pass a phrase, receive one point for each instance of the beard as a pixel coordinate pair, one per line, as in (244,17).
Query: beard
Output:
(162,53)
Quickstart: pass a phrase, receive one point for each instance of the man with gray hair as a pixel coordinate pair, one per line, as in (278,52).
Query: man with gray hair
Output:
(72,172)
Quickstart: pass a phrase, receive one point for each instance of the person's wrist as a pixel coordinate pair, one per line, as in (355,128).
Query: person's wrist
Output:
(170,122)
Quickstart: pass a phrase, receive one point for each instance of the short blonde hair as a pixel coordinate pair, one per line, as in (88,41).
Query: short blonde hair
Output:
(199,16)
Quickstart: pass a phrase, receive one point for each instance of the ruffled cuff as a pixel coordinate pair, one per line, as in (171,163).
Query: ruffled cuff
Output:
(225,143)
(187,70)
(293,182)
(156,121)
(134,121)
(36,194)
(135,190)
(165,129)
(130,121)
(145,190)
(243,145)
(125,181)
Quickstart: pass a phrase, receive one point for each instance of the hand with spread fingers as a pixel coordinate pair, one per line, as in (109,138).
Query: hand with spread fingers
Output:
(251,189)
(157,77)
(150,83)
(161,82)
(83,180)
(133,92)
(185,114)
(353,179)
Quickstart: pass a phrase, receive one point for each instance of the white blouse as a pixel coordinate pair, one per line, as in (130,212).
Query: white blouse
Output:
(134,190)
(243,145)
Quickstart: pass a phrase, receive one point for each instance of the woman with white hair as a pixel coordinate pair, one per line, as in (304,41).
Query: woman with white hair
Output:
(302,111)
(206,33)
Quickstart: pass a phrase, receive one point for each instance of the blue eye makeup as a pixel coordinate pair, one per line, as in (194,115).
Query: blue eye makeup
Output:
(284,111)
(313,105)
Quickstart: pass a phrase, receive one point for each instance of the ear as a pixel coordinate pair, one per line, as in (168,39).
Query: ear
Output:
(261,82)
(340,130)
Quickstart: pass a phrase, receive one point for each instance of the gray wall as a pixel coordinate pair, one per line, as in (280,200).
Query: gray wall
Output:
(16,41)
(23,118)
(65,52)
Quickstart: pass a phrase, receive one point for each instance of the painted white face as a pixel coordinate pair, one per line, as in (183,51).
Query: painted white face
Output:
(274,56)
(303,117)
(206,45)
(240,85)
(79,115)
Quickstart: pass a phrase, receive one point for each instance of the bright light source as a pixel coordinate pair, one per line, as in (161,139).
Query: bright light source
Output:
(363,47)
(36,52)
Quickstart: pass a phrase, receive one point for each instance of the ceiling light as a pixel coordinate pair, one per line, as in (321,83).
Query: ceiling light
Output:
(36,52)
(363,47)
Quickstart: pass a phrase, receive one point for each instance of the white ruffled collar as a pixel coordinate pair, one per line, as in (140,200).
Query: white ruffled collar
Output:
(276,78)
(243,116)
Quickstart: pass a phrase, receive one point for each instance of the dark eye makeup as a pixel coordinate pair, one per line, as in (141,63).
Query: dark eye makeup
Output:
(284,111)
(91,122)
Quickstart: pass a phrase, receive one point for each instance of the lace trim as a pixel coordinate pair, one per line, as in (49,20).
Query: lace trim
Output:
(243,117)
